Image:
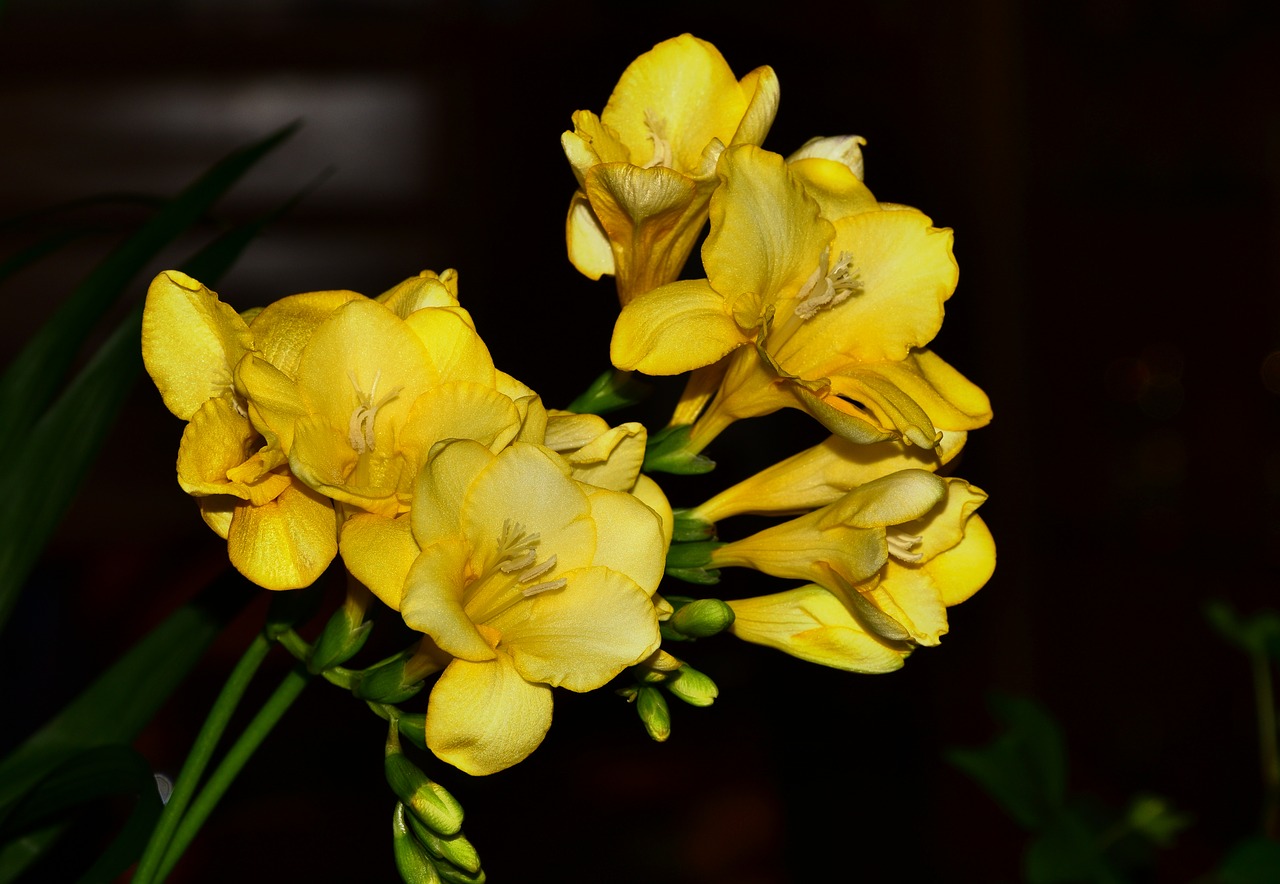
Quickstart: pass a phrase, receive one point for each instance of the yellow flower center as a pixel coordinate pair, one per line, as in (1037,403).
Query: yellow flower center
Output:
(902,545)
(512,577)
(360,427)
(826,288)
(662,155)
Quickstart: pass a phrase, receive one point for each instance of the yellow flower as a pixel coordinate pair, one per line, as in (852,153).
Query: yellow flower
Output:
(646,165)
(825,315)
(528,579)
(279,533)
(814,625)
(898,550)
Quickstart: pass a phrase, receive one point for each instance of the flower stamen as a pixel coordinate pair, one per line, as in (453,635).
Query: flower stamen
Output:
(828,287)
(360,428)
(902,545)
(662,155)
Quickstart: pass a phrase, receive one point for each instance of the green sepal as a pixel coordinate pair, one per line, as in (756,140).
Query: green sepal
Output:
(413,862)
(651,706)
(700,576)
(668,452)
(688,528)
(341,640)
(701,618)
(693,687)
(692,555)
(456,849)
(610,391)
(413,727)
(430,802)
(385,682)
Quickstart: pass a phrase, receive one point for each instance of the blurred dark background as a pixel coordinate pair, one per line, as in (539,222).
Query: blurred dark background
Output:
(1112,171)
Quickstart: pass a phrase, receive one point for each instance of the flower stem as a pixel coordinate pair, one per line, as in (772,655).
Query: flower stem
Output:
(193,768)
(1270,752)
(239,753)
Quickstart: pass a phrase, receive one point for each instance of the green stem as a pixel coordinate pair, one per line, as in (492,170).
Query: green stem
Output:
(236,757)
(1270,753)
(193,768)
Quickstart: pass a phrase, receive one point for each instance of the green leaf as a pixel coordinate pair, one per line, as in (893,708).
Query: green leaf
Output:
(35,252)
(70,433)
(82,779)
(1066,852)
(1256,861)
(1257,634)
(116,706)
(30,381)
(1024,769)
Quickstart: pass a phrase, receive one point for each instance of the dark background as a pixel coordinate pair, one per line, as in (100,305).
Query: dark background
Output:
(1112,171)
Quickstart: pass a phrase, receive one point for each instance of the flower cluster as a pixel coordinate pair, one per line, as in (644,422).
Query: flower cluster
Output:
(527,544)
(524,545)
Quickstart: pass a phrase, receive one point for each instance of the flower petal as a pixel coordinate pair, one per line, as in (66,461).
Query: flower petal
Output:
(589,248)
(460,410)
(379,553)
(281,330)
(629,537)
(442,487)
(432,601)
(218,440)
(453,348)
(287,543)
(483,717)
(427,289)
(674,329)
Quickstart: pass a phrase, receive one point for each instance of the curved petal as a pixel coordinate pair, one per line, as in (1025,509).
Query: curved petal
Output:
(650,493)
(589,248)
(912,599)
(890,500)
(812,624)
(629,537)
(452,345)
(762,92)
(612,459)
(674,329)
(581,636)
(379,553)
(442,487)
(432,601)
(191,341)
(281,330)
(216,441)
(767,235)
(323,458)
(461,410)
(287,543)
(483,717)
(835,185)
(864,390)
(274,400)
(965,568)
(427,289)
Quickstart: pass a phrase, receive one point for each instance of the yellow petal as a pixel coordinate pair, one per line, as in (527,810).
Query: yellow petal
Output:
(673,329)
(322,457)
(217,512)
(433,599)
(890,500)
(964,569)
(812,624)
(217,441)
(651,495)
(455,350)
(441,489)
(884,402)
(760,87)
(629,537)
(589,248)
(836,186)
(191,341)
(427,289)
(287,543)
(483,717)
(581,636)
(281,329)
(912,599)
(379,553)
(462,410)
(275,402)
(843,149)
(767,235)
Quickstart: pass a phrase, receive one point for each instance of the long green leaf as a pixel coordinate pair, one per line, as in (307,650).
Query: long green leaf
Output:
(38,250)
(31,380)
(115,707)
(61,446)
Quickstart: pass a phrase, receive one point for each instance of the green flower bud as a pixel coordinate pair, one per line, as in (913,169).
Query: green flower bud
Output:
(668,452)
(430,802)
(689,528)
(652,708)
(456,850)
(341,640)
(694,687)
(702,618)
(385,682)
(612,390)
(412,859)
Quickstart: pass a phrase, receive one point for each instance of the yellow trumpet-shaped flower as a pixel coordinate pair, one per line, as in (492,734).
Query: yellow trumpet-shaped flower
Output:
(528,579)
(646,165)
(898,550)
(825,315)
(813,624)
(279,533)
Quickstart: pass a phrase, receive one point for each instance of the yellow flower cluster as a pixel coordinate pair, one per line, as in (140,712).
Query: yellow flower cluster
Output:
(816,297)
(524,545)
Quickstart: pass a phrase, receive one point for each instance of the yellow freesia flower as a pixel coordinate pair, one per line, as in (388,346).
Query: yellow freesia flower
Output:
(897,550)
(528,579)
(646,165)
(813,624)
(279,533)
(827,316)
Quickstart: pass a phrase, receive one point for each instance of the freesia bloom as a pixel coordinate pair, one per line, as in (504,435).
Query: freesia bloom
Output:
(898,550)
(527,579)
(825,315)
(646,165)
(279,533)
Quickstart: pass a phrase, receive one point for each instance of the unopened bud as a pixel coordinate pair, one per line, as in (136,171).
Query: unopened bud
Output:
(430,802)
(412,859)
(341,640)
(702,618)
(652,708)
(846,149)
(456,849)
(689,527)
(387,682)
(694,687)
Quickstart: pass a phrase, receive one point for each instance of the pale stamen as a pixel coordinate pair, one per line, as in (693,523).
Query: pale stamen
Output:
(902,545)
(539,588)
(662,155)
(828,287)
(360,428)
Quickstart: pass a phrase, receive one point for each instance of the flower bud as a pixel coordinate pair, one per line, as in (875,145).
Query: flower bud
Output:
(456,849)
(341,640)
(412,859)
(430,802)
(689,527)
(702,618)
(668,452)
(694,687)
(386,682)
(652,708)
